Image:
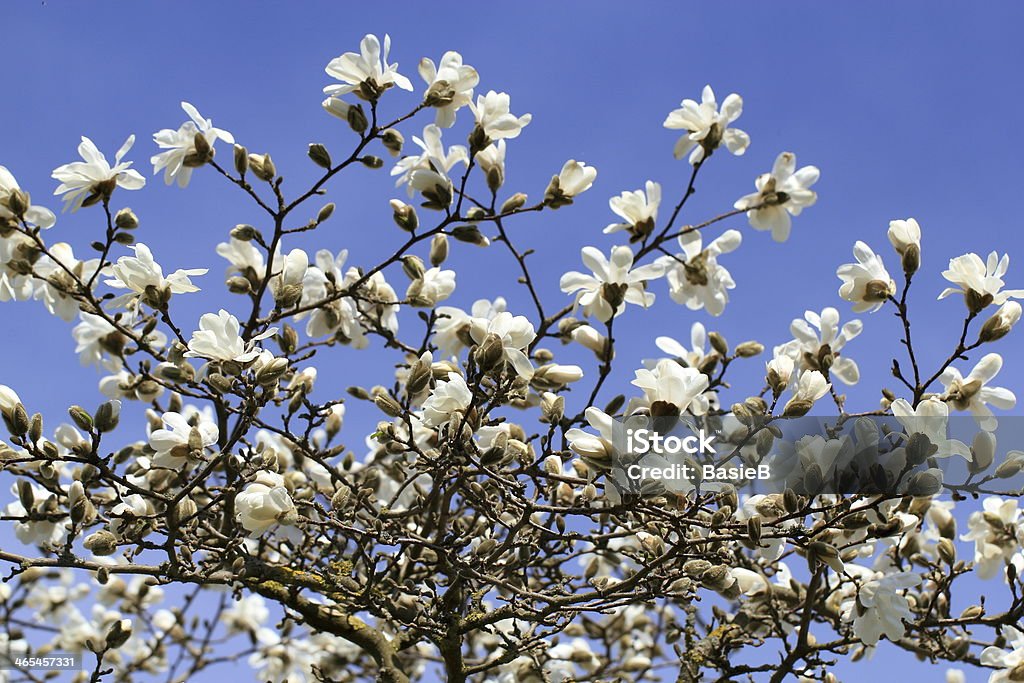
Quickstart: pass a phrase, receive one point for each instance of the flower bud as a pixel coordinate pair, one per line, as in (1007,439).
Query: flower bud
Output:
(552,408)
(125,219)
(319,155)
(101,543)
(749,349)
(107,416)
(392,141)
(489,353)
(262,166)
(245,233)
(404,215)
(1000,324)
(81,417)
(119,633)
(241,159)
(325,212)
(718,343)
(412,266)
(470,234)
(516,201)
(388,405)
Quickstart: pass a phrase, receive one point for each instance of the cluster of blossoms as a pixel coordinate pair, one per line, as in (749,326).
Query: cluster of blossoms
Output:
(453,533)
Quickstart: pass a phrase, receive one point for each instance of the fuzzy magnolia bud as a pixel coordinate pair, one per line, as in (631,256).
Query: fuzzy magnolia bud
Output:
(388,405)
(126,219)
(1000,324)
(513,203)
(241,159)
(81,417)
(404,215)
(319,155)
(438,249)
(392,141)
(262,166)
(749,349)
(119,633)
(245,233)
(101,543)
(107,416)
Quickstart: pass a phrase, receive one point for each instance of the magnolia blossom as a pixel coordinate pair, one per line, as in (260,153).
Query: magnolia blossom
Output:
(433,286)
(782,193)
(493,116)
(1001,322)
(693,356)
(592,291)
(810,347)
(289,272)
(96,339)
(707,127)
(15,284)
(880,607)
(85,182)
(575,178)
(515,333)
(368,73)
(434,157)
(695,279)
(492,160)
(36,215)
(1007,662)
(243,256)
(779,371)
(930,418)
(971,393)
(217,339)
(448,397)
(246,615)
(594,448)
(981,282)
(180,145)
(264,503)
(179,437)
(449,86)
(905,235)
(995,531)
(671,384)
(54,269)
(639,208)
(140,272)
(866,283)
(809,388)
(451,331)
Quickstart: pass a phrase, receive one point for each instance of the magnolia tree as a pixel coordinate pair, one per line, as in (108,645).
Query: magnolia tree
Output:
(480,533)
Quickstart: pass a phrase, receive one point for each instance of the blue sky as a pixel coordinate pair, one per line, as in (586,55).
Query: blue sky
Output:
(908,109)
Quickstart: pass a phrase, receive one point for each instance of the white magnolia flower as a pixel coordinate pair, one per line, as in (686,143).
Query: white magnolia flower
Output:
(36,215)
(179,436)
(693,356)
(971,393)
(38,532)
(449,86)
(670,383)
(289,273)
(265,503)
(706,127)
(575,178)
(492,160)
(57,281)
(368,73)
(246,615)
(433,286)
(1001,322)
(243,257)
(447,397)
(140,272)
(782,193)
(515,333)
(866,283)
(880,607)
(995,531)
(638,208)
(779,371)
(810,345)
(930,418)
(1008,661)
(9,400)
(809,388)
(493,116)
(598,448)
(15,284)
(98,342)
(904,235)
(217,339)
(181,143)
(85,182)
(695,278)
(589,338)
(981,282)
(590,290)
(433,157)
